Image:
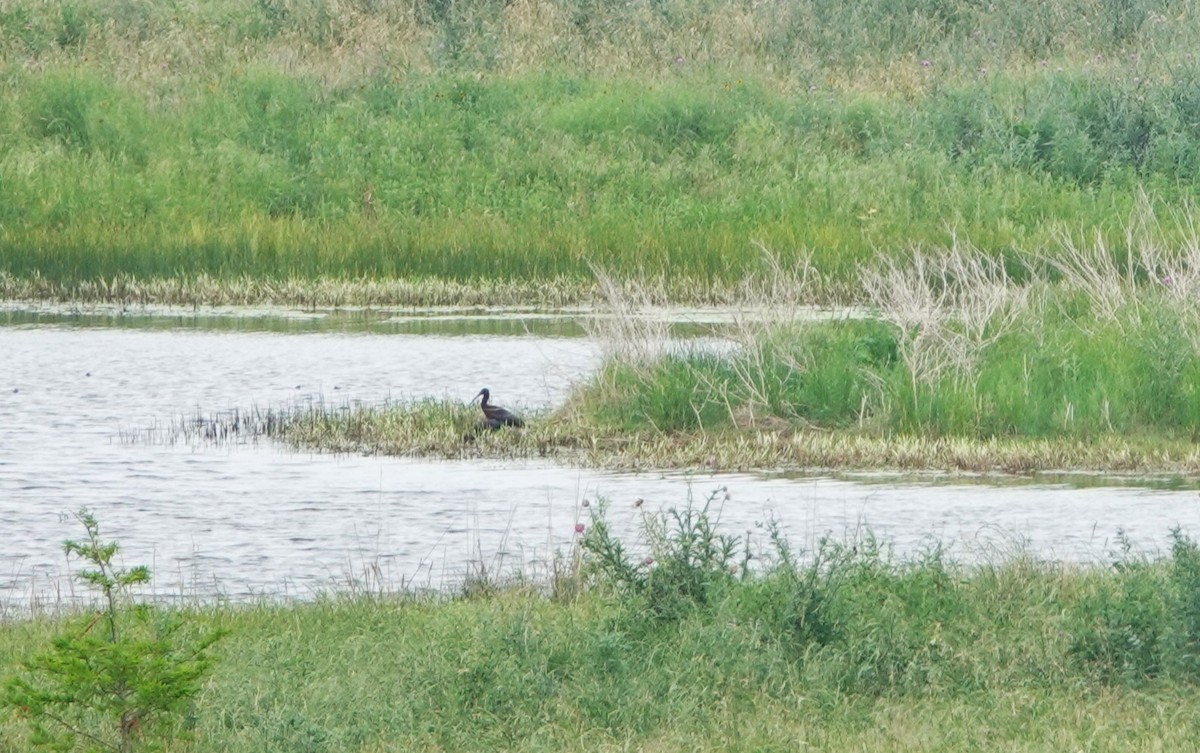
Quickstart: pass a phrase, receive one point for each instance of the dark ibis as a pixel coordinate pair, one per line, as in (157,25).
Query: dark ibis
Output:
(493,415)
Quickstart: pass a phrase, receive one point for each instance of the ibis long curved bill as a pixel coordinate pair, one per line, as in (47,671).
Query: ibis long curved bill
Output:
(495,416)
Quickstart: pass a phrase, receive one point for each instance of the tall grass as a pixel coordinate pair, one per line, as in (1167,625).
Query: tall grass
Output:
(672,641)
(516,141)
(1077,347)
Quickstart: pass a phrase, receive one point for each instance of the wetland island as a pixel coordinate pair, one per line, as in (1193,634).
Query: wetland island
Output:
(731,263)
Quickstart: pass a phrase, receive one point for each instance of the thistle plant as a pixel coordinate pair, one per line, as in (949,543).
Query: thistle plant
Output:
(687,565)
(124,678)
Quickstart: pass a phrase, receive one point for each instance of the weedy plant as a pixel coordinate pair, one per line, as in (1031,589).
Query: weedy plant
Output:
(125,678)
(1141,621)
(688,563)
(848,615)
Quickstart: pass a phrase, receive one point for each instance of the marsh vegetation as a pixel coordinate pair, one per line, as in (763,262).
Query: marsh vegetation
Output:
(314,150)
(1008,190)
(692,636)
(955,363)
(955,346)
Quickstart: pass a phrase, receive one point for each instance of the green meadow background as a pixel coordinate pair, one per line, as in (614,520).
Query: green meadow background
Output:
(538,139)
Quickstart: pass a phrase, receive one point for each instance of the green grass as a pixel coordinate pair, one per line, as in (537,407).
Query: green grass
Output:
(1072,363)
(473,142)
(843,648)
(451,430)
(1056,381)
(956,347)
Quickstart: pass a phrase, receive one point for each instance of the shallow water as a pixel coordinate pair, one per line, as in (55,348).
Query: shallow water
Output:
(240,520)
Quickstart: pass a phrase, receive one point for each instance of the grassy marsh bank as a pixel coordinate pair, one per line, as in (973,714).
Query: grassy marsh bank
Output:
(450,430)
(517,142)
(1084,353)
(842,648)
(296,292)
(1076,364)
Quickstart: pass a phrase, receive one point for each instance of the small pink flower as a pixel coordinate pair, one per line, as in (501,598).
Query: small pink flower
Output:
(579,527)
(925,63)
(648,561)
(1168,281)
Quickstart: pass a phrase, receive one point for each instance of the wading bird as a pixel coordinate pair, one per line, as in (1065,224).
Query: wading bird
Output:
(493,415)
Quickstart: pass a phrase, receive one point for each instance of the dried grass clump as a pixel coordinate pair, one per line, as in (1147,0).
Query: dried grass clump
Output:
(628,329)
(1154,268)
(948,305)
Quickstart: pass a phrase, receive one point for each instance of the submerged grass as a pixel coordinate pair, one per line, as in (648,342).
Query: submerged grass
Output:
(451,430)
(680,644)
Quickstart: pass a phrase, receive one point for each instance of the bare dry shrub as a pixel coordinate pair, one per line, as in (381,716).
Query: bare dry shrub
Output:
(629,329)
(783,293)
(1091,270)
(1172,269)
(1156,265)
(783,290)
(948,305)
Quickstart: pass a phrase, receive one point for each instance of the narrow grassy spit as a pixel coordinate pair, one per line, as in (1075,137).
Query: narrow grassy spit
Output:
(1076,358)
(426,428)
(173,153)
(430,427)
(1067,363)
(690,637)
(452,430)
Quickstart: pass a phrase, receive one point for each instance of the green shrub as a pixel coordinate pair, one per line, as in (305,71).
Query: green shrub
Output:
(1143,619)
(84,112)
(688,566)
(679,392)
(123,680)
(1118,628)
(824,373)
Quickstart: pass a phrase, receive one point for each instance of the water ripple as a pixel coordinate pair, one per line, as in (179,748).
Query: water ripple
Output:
(252,519)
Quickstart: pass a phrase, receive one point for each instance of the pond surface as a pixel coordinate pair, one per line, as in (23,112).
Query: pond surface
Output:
(259,519)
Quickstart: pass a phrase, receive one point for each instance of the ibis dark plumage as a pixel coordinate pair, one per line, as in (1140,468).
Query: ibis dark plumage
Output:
(493,415)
